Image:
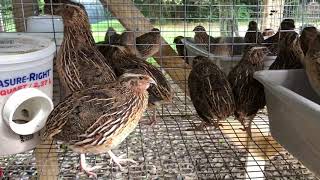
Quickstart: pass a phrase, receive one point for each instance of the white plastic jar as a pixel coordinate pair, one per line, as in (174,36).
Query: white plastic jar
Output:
(26,87)
(49,26)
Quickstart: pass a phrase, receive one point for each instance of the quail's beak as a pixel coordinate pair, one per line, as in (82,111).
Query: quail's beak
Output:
(152,81)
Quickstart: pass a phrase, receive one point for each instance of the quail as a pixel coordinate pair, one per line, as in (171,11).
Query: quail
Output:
(97,119)
(148,44)
(121,59)
(312,63)
(202,39)
(286,26)
(180,48)
(248,93)
(210,92)
(290,54)
(253,35)
(79,63)
(308,34)
(111,36)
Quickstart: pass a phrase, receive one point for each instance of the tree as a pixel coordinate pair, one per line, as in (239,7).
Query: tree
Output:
(228,14)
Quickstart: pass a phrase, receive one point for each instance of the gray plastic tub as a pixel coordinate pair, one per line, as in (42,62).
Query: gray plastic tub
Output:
(226,63)
(294,114)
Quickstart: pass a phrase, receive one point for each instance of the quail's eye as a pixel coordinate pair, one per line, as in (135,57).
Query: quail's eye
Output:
(140,78)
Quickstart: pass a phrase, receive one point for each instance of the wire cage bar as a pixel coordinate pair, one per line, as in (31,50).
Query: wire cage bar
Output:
(169,150)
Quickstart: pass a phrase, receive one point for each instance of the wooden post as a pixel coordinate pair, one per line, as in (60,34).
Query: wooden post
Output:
(132,19)
(272,14)
(23,9)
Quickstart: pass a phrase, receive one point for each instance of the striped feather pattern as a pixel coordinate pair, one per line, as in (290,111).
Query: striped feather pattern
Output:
(290,54)
(96,119)
(79,63)
(248,93)
(210,91)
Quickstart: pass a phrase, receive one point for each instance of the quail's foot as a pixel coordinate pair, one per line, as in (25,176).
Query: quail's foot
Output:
(247,129)
(87,169)
(153,119)
(119,160)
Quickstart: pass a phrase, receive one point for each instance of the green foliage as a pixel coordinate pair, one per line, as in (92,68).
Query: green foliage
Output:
(244,12)
(41,5)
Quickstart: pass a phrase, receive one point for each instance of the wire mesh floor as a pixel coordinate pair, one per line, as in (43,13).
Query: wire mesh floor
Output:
(169,150)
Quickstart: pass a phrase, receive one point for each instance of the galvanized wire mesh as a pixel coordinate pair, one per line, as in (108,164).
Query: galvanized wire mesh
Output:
(169,150)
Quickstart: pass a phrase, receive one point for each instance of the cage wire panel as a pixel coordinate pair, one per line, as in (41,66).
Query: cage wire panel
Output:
(168,150)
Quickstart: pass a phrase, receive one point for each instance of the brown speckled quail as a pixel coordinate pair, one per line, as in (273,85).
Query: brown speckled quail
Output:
(148,44)
(210,92)
(308,34)
(128,40)
(220,46)
(97,119)
(248,93)
(120,59)
(79,63)
(286,26)
(111,36)
(202,39)
(290,54)
(312,63)
(253,35)
(179,45)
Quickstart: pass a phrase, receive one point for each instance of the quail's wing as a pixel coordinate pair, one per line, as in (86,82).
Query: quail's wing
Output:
(239,78)
(197,96)
(217,91)
(73,116)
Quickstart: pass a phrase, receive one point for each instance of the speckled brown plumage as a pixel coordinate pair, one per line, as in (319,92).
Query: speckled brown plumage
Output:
(221,46)
(121,60)
(97,119)
(290,54)
(128,40)
(312,63)
(148,44)
(79,63)
(286,26)
(210,91)
(308,34)
(202,39)
(248,93)
(253,35)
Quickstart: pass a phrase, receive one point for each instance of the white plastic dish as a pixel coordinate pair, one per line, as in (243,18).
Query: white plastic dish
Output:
(226,63)
(294,114)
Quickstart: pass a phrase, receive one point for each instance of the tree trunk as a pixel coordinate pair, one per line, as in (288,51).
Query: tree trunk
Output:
(22,9)
(272,14)
(228,19)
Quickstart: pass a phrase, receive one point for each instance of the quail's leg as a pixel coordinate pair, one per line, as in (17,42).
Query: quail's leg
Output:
(1,172)
(119,160)
(248,128)
(153,118)
(87,169)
